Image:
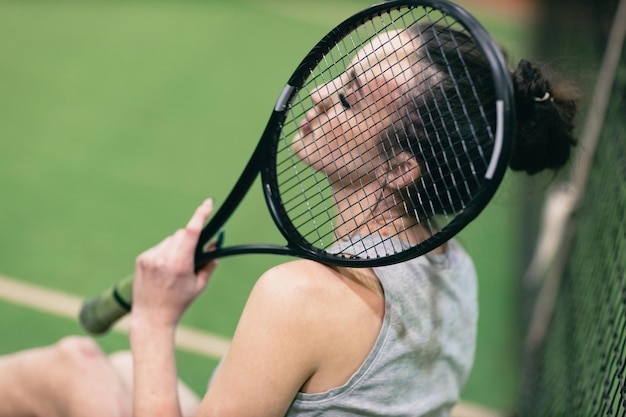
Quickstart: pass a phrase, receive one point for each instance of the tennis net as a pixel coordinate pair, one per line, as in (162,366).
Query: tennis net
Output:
(575,352)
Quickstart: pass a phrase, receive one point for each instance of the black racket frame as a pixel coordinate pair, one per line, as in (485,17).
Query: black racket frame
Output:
(263,158)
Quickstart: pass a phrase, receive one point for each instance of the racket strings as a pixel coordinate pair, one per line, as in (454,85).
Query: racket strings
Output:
(310,208)
(465,109)
(452,170)
(451,177)
(322,190)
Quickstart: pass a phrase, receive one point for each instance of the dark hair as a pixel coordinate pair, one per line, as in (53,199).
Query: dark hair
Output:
(545,112)
(545,107)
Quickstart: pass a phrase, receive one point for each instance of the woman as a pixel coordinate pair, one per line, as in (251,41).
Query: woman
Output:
(314,339)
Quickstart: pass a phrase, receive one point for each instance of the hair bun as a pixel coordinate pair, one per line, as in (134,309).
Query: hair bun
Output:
(529,82)
(545,110)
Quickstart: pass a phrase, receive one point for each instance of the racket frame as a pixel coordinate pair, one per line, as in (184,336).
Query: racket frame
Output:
(264,156)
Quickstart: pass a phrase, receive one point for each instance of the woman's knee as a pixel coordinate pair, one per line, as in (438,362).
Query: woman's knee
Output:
(77,351)
(96,388)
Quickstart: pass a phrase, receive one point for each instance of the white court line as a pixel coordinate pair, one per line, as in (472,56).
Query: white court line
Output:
(68,305)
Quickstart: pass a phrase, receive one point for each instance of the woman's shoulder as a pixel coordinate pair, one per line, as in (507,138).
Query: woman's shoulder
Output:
(281,340)
(301,283)
(299,276)
(330,315)
(310,295)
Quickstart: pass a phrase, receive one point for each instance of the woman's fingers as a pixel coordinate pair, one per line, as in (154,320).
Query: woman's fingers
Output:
(200,216)
(166,282)
(185,240)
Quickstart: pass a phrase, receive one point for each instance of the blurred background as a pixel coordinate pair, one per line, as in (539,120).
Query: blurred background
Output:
(118,117)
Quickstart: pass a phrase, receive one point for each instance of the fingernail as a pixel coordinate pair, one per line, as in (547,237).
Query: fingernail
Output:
(220,239)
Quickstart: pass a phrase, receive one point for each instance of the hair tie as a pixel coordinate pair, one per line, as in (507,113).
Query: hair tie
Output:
(545,97)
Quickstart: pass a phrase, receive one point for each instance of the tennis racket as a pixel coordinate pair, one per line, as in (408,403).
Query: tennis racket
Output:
(449,105)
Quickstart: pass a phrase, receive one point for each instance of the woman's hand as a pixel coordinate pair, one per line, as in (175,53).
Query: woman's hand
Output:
(165,282)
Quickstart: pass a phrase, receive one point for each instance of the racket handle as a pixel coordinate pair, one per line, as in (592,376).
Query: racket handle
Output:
(99,313)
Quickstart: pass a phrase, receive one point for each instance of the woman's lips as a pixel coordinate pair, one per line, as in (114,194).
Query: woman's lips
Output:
(305,127)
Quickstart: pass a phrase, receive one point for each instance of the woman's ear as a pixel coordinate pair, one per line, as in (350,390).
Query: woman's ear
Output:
(400,171)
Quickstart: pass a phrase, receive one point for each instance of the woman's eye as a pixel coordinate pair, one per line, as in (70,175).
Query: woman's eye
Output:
(344,101)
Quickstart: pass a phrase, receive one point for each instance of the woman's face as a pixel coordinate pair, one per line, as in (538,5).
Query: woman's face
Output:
(340,136)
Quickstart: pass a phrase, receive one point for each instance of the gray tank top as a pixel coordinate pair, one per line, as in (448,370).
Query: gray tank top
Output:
(425,349)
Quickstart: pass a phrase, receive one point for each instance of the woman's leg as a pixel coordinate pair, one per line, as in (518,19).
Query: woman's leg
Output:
(70,378)
(73,377)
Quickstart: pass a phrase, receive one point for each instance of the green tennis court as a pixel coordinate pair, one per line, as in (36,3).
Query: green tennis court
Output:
(118,118)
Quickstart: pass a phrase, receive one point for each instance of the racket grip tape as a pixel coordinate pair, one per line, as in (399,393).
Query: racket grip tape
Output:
(99,313)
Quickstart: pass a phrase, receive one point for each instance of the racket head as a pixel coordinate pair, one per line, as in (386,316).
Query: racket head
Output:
(460,128)
(451,109)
